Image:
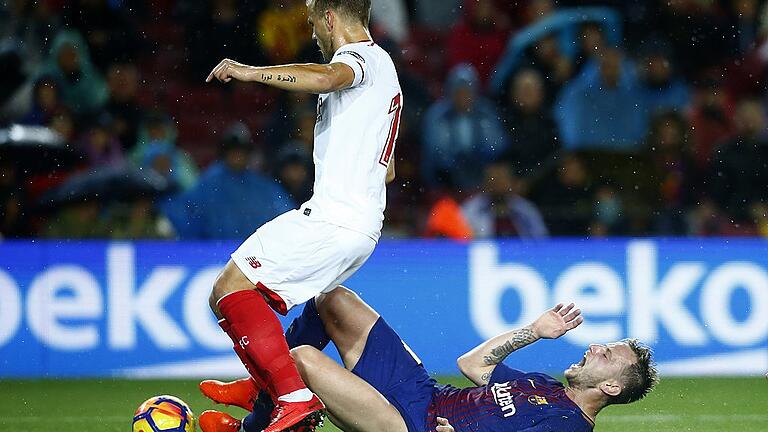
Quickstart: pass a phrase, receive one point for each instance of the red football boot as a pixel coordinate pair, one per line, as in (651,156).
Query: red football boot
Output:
(297,416)
(217,421)
(241,393)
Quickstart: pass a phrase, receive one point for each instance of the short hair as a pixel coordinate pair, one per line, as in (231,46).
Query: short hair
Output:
(359,9)
(640,377)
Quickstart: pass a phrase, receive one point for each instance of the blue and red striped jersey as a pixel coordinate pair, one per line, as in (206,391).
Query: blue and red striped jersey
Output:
(512,401)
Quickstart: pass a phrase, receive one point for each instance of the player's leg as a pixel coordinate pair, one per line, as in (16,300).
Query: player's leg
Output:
(353,404)
(347,321)
(257,334)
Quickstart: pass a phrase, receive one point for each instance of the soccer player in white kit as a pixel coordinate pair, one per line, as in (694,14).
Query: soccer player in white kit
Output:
(308,251)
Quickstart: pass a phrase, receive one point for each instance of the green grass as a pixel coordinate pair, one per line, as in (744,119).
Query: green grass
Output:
(697,404)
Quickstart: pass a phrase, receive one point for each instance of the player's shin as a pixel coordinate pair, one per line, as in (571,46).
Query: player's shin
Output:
(256,329)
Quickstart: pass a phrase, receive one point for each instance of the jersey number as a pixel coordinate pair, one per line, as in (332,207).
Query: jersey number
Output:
(395,107)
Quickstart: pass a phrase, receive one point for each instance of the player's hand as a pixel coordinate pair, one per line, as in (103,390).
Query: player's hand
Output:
(226,70)
(443,425)
(557,321)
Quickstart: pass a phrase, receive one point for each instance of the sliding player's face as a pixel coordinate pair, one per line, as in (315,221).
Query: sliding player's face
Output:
(600,363)
(320,32)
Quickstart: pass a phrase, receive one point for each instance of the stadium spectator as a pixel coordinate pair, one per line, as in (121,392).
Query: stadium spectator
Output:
(608,214)
(661,88)
(533,133)
(602,107)
(282,30)
(82,87)
(699,32)
(711,119)
(550,44)
(282,124)
(667,182)
(109,31)
(156,149)
(295,173)
(251,198)
(63,123)
(739,165)
(100,145)
(78,220)
(565,198)
(122,105)
(479,37)
(226,34)
(45,102)
(462,129)
(16,91)
(137,219)
(446,220)
(591,44)
(499,210)
(546,57)
(13,205)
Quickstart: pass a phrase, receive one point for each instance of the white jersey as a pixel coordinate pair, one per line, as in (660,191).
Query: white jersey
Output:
(355,138)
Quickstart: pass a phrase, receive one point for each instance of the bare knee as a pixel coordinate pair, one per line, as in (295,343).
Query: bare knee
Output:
(306,358)
(340,299)
(228,281)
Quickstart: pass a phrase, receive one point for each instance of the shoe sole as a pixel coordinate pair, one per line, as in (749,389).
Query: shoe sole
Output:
(312,421)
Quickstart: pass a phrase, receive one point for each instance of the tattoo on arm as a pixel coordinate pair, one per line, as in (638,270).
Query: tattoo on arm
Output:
(286,78)
(520,338)
(267,77)
(486,377)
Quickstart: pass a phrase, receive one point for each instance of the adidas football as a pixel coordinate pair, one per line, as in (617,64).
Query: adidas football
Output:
(163,414)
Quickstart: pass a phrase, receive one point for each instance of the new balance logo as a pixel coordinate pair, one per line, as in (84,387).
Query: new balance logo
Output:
(253,262)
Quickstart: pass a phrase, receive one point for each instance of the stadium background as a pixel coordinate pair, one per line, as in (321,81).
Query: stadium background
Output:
(610,152)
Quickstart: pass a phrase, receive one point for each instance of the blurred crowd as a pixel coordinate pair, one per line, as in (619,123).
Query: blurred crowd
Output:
(528,118)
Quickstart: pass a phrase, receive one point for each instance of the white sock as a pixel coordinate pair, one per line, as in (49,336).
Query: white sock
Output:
(302,395)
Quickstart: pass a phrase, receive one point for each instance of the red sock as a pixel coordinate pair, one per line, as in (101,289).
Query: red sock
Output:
(257,375)
(255,328)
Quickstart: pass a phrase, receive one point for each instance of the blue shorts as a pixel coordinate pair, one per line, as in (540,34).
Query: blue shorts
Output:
(391,369)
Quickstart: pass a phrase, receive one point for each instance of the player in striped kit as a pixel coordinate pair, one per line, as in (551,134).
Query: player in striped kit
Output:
(384,387)
(305,252)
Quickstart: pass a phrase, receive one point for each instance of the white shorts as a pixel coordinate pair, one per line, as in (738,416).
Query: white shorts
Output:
(295,257)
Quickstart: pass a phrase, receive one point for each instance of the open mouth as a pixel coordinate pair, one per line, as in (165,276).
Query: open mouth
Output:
(581,363)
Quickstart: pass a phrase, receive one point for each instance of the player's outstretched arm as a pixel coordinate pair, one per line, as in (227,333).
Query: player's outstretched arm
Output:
(479,363)
(308,78)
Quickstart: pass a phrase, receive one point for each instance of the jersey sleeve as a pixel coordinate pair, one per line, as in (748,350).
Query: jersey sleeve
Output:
(356,61)
(503,373)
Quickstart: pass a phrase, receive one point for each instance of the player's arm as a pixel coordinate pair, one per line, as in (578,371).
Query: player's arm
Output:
(308,78)
(391,171)
(479,363)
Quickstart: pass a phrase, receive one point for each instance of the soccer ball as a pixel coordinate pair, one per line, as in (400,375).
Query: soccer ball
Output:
(163,414)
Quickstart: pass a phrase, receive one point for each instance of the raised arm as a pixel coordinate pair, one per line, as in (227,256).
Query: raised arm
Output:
(479,363)
(308,78)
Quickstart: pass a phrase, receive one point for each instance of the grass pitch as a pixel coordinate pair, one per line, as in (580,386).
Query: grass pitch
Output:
(678,404)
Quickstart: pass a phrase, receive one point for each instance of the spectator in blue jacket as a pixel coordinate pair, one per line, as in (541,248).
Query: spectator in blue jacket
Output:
(462,133)
(230,200)
(603,107)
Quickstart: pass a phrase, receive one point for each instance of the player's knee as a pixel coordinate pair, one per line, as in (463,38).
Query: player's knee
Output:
(338,299)
(305,357)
